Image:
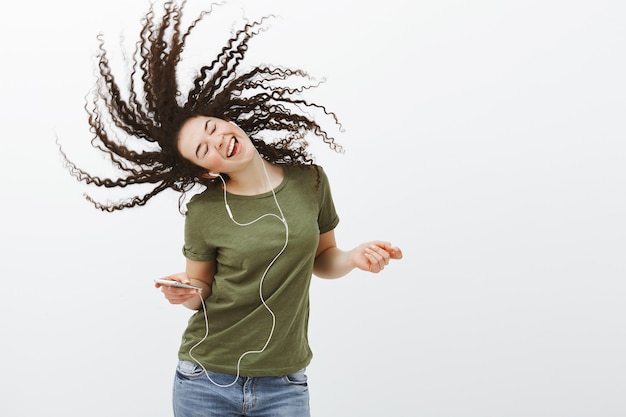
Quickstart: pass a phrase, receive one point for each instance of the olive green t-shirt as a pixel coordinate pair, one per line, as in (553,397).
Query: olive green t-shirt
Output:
(238,320)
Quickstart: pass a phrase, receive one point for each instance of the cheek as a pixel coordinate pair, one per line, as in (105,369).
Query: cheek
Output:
(212,162)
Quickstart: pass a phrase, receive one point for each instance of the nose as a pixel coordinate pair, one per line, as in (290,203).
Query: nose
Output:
(216,140)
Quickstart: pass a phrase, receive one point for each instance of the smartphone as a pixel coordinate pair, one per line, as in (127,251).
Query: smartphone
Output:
(176,284)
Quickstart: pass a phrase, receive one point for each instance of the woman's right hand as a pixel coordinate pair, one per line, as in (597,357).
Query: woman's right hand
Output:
(178,295)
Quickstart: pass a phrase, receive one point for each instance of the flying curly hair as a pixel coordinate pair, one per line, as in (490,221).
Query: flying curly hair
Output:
(152,111)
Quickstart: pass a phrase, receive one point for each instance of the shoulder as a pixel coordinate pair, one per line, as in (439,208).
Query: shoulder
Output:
(309,179)
(311,172)
(204,199)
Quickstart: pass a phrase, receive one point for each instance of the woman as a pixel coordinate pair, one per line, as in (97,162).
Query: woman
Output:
(262,225)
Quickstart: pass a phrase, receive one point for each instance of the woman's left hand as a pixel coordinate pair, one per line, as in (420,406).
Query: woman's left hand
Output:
(374,256)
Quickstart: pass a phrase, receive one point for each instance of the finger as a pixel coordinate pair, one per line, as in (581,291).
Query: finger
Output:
(382,254)
(396,254)
(178,291)
(376,260)
(178,298)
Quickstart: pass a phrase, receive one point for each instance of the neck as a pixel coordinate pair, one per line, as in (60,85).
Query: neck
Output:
(254,179)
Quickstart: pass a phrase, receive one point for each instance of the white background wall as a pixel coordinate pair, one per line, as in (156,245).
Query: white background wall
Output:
(485,138)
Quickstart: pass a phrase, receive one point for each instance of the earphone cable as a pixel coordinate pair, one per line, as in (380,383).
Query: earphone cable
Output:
(262,280)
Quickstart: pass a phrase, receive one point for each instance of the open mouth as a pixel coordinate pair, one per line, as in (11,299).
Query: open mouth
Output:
(231,147)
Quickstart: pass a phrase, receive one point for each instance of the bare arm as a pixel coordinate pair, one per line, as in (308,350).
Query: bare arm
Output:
(332,262)
(198,273)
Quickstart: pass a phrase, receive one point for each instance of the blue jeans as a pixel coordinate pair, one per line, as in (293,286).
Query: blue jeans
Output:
(280,396)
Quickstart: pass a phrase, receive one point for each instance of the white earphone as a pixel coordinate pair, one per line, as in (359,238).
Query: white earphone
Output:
(283,220)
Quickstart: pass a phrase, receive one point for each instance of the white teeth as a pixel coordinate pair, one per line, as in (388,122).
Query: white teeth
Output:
(231,147)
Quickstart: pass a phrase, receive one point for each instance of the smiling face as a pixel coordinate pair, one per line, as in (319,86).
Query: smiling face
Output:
(215,144)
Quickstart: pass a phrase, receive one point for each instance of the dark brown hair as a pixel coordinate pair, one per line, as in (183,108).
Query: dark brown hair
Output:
(150,114)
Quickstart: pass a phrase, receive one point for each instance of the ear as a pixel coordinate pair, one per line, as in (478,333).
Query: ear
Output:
(210,174)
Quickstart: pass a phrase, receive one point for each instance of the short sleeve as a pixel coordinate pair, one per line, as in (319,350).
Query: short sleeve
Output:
(328,218)
(196,246)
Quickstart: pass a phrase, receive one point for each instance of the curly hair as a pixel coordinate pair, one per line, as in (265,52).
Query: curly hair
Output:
(152,112)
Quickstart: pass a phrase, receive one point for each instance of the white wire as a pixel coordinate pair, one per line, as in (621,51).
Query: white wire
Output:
(206,318)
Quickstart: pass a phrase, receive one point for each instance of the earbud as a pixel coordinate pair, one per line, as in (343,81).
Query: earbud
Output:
(213,174)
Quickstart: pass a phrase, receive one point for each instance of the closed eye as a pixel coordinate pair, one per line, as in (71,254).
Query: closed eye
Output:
(210,130)
(201,150)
